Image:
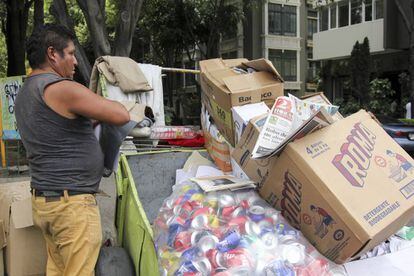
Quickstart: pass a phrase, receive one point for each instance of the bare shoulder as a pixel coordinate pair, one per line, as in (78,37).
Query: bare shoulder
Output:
(75,99)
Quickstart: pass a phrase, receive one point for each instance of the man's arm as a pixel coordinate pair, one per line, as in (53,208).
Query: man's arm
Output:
(70,99)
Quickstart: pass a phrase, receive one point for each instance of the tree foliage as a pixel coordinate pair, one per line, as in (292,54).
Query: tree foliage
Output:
(360,68)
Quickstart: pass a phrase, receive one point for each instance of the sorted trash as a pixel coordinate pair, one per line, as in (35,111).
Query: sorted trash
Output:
(289,119)
(223,88)
(231,233)
(339,187)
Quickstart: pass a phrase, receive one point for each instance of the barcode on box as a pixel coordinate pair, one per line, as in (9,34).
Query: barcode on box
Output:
(408,190)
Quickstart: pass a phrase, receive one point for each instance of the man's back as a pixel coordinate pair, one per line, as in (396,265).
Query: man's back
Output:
(63,153)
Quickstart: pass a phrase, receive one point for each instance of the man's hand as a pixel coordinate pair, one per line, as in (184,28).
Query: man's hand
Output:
(71,99)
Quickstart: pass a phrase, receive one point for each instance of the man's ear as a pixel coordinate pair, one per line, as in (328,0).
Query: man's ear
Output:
(51,54)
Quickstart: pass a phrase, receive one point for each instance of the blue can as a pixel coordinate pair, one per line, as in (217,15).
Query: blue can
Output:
(190,254)
(173,230)
(278,268)
(230,241)
(286,229)
(256,213)
(187,266)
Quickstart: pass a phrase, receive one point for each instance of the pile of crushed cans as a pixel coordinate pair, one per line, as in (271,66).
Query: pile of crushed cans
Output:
(231,233)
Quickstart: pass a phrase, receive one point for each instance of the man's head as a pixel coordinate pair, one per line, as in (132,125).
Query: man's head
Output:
(52,46)
(313,208)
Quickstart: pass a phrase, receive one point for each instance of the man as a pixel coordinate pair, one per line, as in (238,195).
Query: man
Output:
(322,222)
(54,114)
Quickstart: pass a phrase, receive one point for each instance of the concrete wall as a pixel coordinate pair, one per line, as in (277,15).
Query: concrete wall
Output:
(338,43)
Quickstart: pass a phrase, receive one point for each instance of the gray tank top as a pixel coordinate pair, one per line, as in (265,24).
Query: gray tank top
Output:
(62,153)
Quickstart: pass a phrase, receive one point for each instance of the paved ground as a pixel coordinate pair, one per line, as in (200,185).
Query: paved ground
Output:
(106,203)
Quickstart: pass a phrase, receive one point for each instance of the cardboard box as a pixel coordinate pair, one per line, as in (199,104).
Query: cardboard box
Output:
(214,142)
(243,114)
(344,186)
(25,246)
(320,98)
(223,88)
(256,169)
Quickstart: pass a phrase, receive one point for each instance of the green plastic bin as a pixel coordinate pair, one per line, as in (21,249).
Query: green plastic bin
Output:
(138,173)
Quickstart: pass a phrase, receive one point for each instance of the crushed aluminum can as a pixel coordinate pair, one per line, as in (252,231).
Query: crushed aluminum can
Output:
(226,212)
(288,239)
(294,253)
(315,267)
(215,258)
(240,271)
(278,268)
(270,241)
(169,203)
(207,242)
(239,223)
(252,229)
(230,241)
(202,265)
(265,227)
(197,197)
(226,200)
(182,241)
(245,204)
(180,212)
(214,221)
(238,212)
(200,222)
(175,220)
(211,199)
(202,211)
(285,229)
(256,213)
(238,258)
(197,235)
(190,254)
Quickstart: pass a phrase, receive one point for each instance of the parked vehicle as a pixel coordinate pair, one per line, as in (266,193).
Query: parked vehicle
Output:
(401,132)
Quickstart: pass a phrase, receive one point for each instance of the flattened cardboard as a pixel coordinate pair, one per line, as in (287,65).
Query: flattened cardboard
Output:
(344,186)
(256,169)
(224,88)
(26,249)
(2,236)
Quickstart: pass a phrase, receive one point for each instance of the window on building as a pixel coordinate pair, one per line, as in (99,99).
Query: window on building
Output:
(285,63)
(368,10)
(282,20)
(309,51)
(324,17)
(356,11)
(333,16)
(379,9)
(343,14)
(312,13)
(312,27)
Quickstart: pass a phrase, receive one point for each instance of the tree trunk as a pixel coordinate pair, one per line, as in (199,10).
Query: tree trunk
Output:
(127,21)
(60,11)
(94,12)
(213,50)
(39,15)
(15,33)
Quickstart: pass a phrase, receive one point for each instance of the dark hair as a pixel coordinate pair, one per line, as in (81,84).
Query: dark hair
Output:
(312,207)
(43,37)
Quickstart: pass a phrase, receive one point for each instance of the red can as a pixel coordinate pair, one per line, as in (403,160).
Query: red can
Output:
(238,257)
(202,211)
(213,256)
(245,204)
(238,222)
(187,206)
(182,241)
(316,267)
(227,211)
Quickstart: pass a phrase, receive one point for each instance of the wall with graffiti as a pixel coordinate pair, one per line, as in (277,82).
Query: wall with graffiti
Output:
(9,87)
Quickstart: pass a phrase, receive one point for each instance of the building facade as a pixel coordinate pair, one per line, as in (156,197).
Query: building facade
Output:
(343,22)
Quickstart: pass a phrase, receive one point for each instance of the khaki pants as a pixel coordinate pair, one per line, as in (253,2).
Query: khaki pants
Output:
(71,227)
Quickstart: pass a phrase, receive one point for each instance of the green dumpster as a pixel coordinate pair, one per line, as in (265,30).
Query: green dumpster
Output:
(143,181)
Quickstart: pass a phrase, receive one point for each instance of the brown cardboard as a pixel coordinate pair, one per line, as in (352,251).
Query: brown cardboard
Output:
(223,88)
(344,170)
(26,250)
(3,241)
(256,169)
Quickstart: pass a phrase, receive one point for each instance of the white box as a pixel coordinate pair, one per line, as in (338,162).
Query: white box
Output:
(243,114)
